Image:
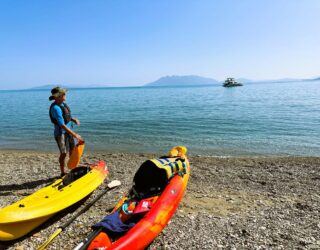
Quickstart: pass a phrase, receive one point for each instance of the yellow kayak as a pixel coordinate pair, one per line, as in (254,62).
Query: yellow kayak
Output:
(20,218)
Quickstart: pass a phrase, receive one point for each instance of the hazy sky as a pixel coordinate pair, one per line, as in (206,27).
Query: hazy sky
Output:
(137,41)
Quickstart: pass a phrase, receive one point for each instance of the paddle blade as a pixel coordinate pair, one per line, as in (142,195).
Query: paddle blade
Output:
(114,183)
(100,242)
(45,244)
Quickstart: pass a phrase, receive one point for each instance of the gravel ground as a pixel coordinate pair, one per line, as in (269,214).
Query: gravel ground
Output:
(230,203)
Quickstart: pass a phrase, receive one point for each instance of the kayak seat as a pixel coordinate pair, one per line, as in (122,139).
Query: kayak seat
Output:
(149,180)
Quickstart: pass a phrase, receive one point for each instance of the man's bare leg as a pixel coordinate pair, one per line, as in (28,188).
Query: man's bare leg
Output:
(62,163)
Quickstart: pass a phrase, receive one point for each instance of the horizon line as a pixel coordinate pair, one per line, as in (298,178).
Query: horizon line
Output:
(97,86)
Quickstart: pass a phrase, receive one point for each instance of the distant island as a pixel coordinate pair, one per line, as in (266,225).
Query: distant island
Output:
(176,81)
(69,86)
(315,79)
(49,86)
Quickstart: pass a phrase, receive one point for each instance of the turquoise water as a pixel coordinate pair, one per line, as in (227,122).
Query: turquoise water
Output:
(256,119)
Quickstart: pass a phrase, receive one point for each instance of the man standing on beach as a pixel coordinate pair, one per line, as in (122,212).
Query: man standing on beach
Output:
(60,116)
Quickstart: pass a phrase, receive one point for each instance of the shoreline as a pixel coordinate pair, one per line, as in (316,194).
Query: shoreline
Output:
(112,152)
(240,202)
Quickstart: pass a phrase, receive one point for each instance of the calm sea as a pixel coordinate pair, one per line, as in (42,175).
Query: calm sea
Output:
(256,119)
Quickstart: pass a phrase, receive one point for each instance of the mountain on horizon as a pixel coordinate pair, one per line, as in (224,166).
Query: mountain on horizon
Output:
(244,80)
(189,80)
(48,86)
(69,86)
(313,79)
(283,80)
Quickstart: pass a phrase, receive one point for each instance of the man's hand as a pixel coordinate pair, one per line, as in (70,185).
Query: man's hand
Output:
(78,137)
(76,121)
(75,135)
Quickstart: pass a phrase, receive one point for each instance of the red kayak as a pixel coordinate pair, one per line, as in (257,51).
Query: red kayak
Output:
(158,188)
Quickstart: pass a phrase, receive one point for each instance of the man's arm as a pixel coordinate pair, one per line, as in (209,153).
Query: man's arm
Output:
(57,114)
(69,131)
(76,121)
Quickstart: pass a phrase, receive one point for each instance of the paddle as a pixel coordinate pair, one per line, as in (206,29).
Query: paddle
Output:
(86,242)
(110,186)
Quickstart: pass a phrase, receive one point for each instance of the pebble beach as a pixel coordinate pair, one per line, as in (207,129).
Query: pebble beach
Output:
(230,202)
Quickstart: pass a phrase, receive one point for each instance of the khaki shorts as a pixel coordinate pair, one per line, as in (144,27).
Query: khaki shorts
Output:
(65,143)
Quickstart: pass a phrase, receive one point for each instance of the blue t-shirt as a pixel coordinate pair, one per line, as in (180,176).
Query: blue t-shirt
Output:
(57,114)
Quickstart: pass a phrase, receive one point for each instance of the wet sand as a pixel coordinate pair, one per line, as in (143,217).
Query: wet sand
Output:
(230,203)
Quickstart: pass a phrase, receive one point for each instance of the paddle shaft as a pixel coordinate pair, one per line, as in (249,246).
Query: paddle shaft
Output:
(61,228)
(86,242)
(85,208)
